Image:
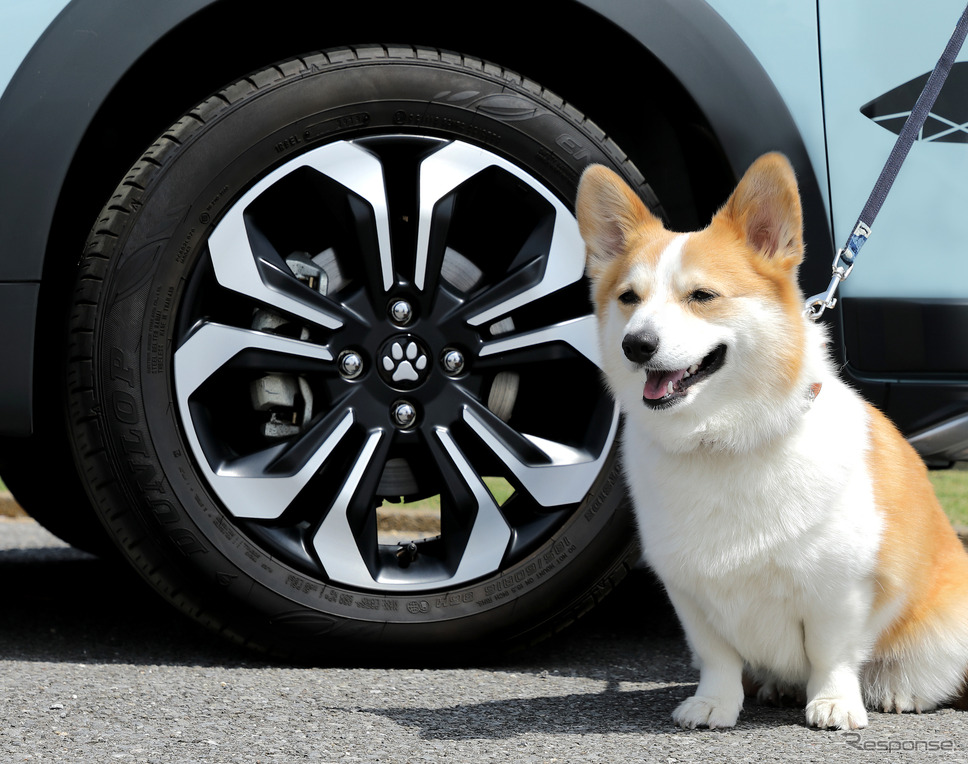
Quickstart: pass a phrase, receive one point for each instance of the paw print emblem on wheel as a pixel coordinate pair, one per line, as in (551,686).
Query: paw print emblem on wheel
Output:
(403,362)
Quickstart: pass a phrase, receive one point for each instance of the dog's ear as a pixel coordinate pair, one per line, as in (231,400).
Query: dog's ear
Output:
(765,207)
(609,213)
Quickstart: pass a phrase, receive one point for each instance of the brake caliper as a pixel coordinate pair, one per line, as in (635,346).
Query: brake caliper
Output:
(286,400)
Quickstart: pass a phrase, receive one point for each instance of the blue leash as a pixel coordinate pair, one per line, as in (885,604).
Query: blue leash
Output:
(846,257)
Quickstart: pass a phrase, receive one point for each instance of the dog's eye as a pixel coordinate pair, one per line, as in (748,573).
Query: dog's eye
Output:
(702,295)
(628,297)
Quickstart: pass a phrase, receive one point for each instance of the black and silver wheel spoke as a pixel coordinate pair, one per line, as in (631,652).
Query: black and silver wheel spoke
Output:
(346,539)
(249,484)
(580,334)
(486,533)
(555,472)
(242,258)
(553,258)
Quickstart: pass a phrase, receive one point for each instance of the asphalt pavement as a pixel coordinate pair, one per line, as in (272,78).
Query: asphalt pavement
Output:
(93,668)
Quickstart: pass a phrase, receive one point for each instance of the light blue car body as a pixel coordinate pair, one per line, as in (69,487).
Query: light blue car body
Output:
(830,58)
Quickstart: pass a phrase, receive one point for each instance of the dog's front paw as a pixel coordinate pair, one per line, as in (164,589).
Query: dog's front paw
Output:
(836,713)
(698,711)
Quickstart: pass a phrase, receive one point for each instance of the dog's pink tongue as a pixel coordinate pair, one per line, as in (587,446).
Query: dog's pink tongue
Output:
(657,383)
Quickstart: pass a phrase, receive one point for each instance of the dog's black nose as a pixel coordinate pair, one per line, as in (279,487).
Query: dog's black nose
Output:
(639,348)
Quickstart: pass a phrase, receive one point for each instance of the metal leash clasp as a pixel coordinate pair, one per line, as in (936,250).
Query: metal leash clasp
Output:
(816,305)
(843,264)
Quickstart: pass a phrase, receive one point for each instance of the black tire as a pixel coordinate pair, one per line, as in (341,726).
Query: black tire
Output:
(214,498)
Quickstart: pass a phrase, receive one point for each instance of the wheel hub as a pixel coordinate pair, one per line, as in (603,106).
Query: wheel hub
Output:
(403,362)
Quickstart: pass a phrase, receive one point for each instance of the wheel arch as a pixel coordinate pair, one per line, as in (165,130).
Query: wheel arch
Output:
(614,60)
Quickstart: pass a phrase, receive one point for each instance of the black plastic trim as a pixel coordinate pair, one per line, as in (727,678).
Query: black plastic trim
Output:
(49,104)
(908,357)
(904,337)
(16,395)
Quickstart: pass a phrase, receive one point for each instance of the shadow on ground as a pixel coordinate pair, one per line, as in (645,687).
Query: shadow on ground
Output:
(61,604)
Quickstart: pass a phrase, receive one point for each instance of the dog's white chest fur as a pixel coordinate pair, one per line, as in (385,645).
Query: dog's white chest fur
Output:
(759,541)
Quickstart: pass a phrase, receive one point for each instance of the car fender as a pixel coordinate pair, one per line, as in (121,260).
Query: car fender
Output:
(51,103)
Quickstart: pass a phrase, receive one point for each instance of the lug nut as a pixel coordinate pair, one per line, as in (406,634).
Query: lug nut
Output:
(404,414)
(350,364)
(453,361)
(401,312)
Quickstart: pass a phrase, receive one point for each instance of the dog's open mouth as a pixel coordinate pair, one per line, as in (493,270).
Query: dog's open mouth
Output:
(666,387)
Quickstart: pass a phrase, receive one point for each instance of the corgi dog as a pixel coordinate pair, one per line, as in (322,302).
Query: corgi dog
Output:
(794,529)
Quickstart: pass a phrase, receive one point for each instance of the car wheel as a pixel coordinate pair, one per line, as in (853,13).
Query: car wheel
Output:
(342,285)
